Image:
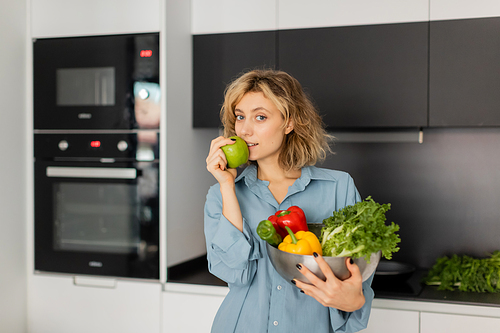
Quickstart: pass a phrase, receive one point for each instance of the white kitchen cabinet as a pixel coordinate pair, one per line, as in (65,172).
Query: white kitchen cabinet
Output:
(189,312)
(223,16)
(60,18)
(98,305)
(443,323)
(296,14)
(463,9)
(392,321)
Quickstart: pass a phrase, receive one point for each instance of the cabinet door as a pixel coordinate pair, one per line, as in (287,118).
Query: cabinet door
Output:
(294,14)
(58,18)
(440,323)
(392,321)
(464,66)
(184,312)
(223,16)
(218,59)
(60,304)
(461,9)
(363,76)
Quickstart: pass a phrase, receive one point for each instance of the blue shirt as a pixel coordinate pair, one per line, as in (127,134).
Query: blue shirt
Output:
(259,299)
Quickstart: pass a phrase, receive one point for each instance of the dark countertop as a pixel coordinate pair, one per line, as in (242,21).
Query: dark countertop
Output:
(196,272)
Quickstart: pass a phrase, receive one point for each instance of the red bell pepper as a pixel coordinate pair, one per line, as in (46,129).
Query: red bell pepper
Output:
(293,217)
(274,220)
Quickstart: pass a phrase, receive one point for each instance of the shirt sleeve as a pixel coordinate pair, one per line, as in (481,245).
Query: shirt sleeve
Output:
(353,195)
(232,254)
(343,322)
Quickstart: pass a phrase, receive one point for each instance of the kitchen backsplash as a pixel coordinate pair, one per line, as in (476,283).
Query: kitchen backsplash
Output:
(444,193)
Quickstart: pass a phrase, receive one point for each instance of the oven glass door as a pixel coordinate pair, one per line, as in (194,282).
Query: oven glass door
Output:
(97,220)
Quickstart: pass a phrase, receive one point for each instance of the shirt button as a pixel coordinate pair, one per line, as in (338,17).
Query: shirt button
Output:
(275,323)
(279,287)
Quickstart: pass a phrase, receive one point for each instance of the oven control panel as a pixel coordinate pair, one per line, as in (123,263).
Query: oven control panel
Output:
(82,146)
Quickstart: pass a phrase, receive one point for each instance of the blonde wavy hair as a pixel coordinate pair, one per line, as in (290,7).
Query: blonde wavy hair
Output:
(308,142)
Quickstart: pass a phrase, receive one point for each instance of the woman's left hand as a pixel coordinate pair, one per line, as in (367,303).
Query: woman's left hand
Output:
(346,295)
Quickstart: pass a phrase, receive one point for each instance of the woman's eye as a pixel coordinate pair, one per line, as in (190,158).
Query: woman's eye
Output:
(239,117)
(261,117)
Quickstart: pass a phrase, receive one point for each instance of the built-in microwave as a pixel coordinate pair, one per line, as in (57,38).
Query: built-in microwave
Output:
(96,82)
(97,204)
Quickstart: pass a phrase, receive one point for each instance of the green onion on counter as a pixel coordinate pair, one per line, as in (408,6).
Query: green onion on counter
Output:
(466,273)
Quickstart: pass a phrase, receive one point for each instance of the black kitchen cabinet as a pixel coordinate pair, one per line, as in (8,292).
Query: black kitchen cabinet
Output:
(464,80)
(219,58)
(362,76)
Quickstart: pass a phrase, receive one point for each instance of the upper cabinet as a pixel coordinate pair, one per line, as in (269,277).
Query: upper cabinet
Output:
(360,73)
(217,60)
(298,14)
(60,18)
(463,9)
(464,84)
(361,76)
(224,16)
(366,64)
(463,63)
(229,37)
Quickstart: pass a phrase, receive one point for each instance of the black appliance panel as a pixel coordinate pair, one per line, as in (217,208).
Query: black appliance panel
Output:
(96,216)
(88,82)
(96,146)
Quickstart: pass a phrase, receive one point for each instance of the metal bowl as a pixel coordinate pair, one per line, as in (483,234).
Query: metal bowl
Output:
(285,263)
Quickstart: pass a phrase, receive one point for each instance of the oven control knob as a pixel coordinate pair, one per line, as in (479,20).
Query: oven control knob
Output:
(63,145)
(122,145)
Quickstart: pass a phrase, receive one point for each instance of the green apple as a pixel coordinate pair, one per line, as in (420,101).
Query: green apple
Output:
(236,153)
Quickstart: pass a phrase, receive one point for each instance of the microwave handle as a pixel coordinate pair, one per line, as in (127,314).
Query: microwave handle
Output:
(82,172)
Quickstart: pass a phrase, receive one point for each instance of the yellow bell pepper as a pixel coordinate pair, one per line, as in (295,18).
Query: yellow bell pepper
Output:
(302,242)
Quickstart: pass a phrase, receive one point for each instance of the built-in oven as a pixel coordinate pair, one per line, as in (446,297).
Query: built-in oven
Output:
(96,82)
(97,203)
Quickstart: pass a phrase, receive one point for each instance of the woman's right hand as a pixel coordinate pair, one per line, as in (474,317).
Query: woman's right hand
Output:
(217,162)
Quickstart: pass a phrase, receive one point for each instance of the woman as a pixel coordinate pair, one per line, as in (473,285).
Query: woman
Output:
(285,136)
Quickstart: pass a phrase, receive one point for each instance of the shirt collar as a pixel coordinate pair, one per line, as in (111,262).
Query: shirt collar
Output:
(249,174)
(261,190)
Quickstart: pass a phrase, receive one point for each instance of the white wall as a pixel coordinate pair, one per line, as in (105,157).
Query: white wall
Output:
(187,177)
(13,294)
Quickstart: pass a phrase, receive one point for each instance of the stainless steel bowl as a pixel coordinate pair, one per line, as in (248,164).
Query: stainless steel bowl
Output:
(286,263)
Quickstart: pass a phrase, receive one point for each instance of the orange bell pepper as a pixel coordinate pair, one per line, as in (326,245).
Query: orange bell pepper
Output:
(302,242)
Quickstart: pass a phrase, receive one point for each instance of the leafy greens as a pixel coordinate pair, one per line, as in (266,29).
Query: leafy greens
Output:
(466,273)
(359,230)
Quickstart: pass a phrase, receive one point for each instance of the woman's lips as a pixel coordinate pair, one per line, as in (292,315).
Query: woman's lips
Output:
(250,145)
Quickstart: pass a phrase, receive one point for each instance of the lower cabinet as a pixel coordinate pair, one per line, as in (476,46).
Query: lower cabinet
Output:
(443,323)
(183,312)
(392,321)
(64,304)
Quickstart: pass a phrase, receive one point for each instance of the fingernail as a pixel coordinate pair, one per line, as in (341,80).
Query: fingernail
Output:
(351,261)
(315,254)
(299,266)
(293,281)
(302,291)
(233,139)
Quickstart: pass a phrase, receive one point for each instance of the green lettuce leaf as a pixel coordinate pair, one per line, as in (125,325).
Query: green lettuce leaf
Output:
(359,230)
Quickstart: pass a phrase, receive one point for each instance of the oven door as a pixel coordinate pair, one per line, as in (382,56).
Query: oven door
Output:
(92,82)
(97,219)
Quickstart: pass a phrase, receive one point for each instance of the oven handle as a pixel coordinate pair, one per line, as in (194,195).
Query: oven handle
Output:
(82,172)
